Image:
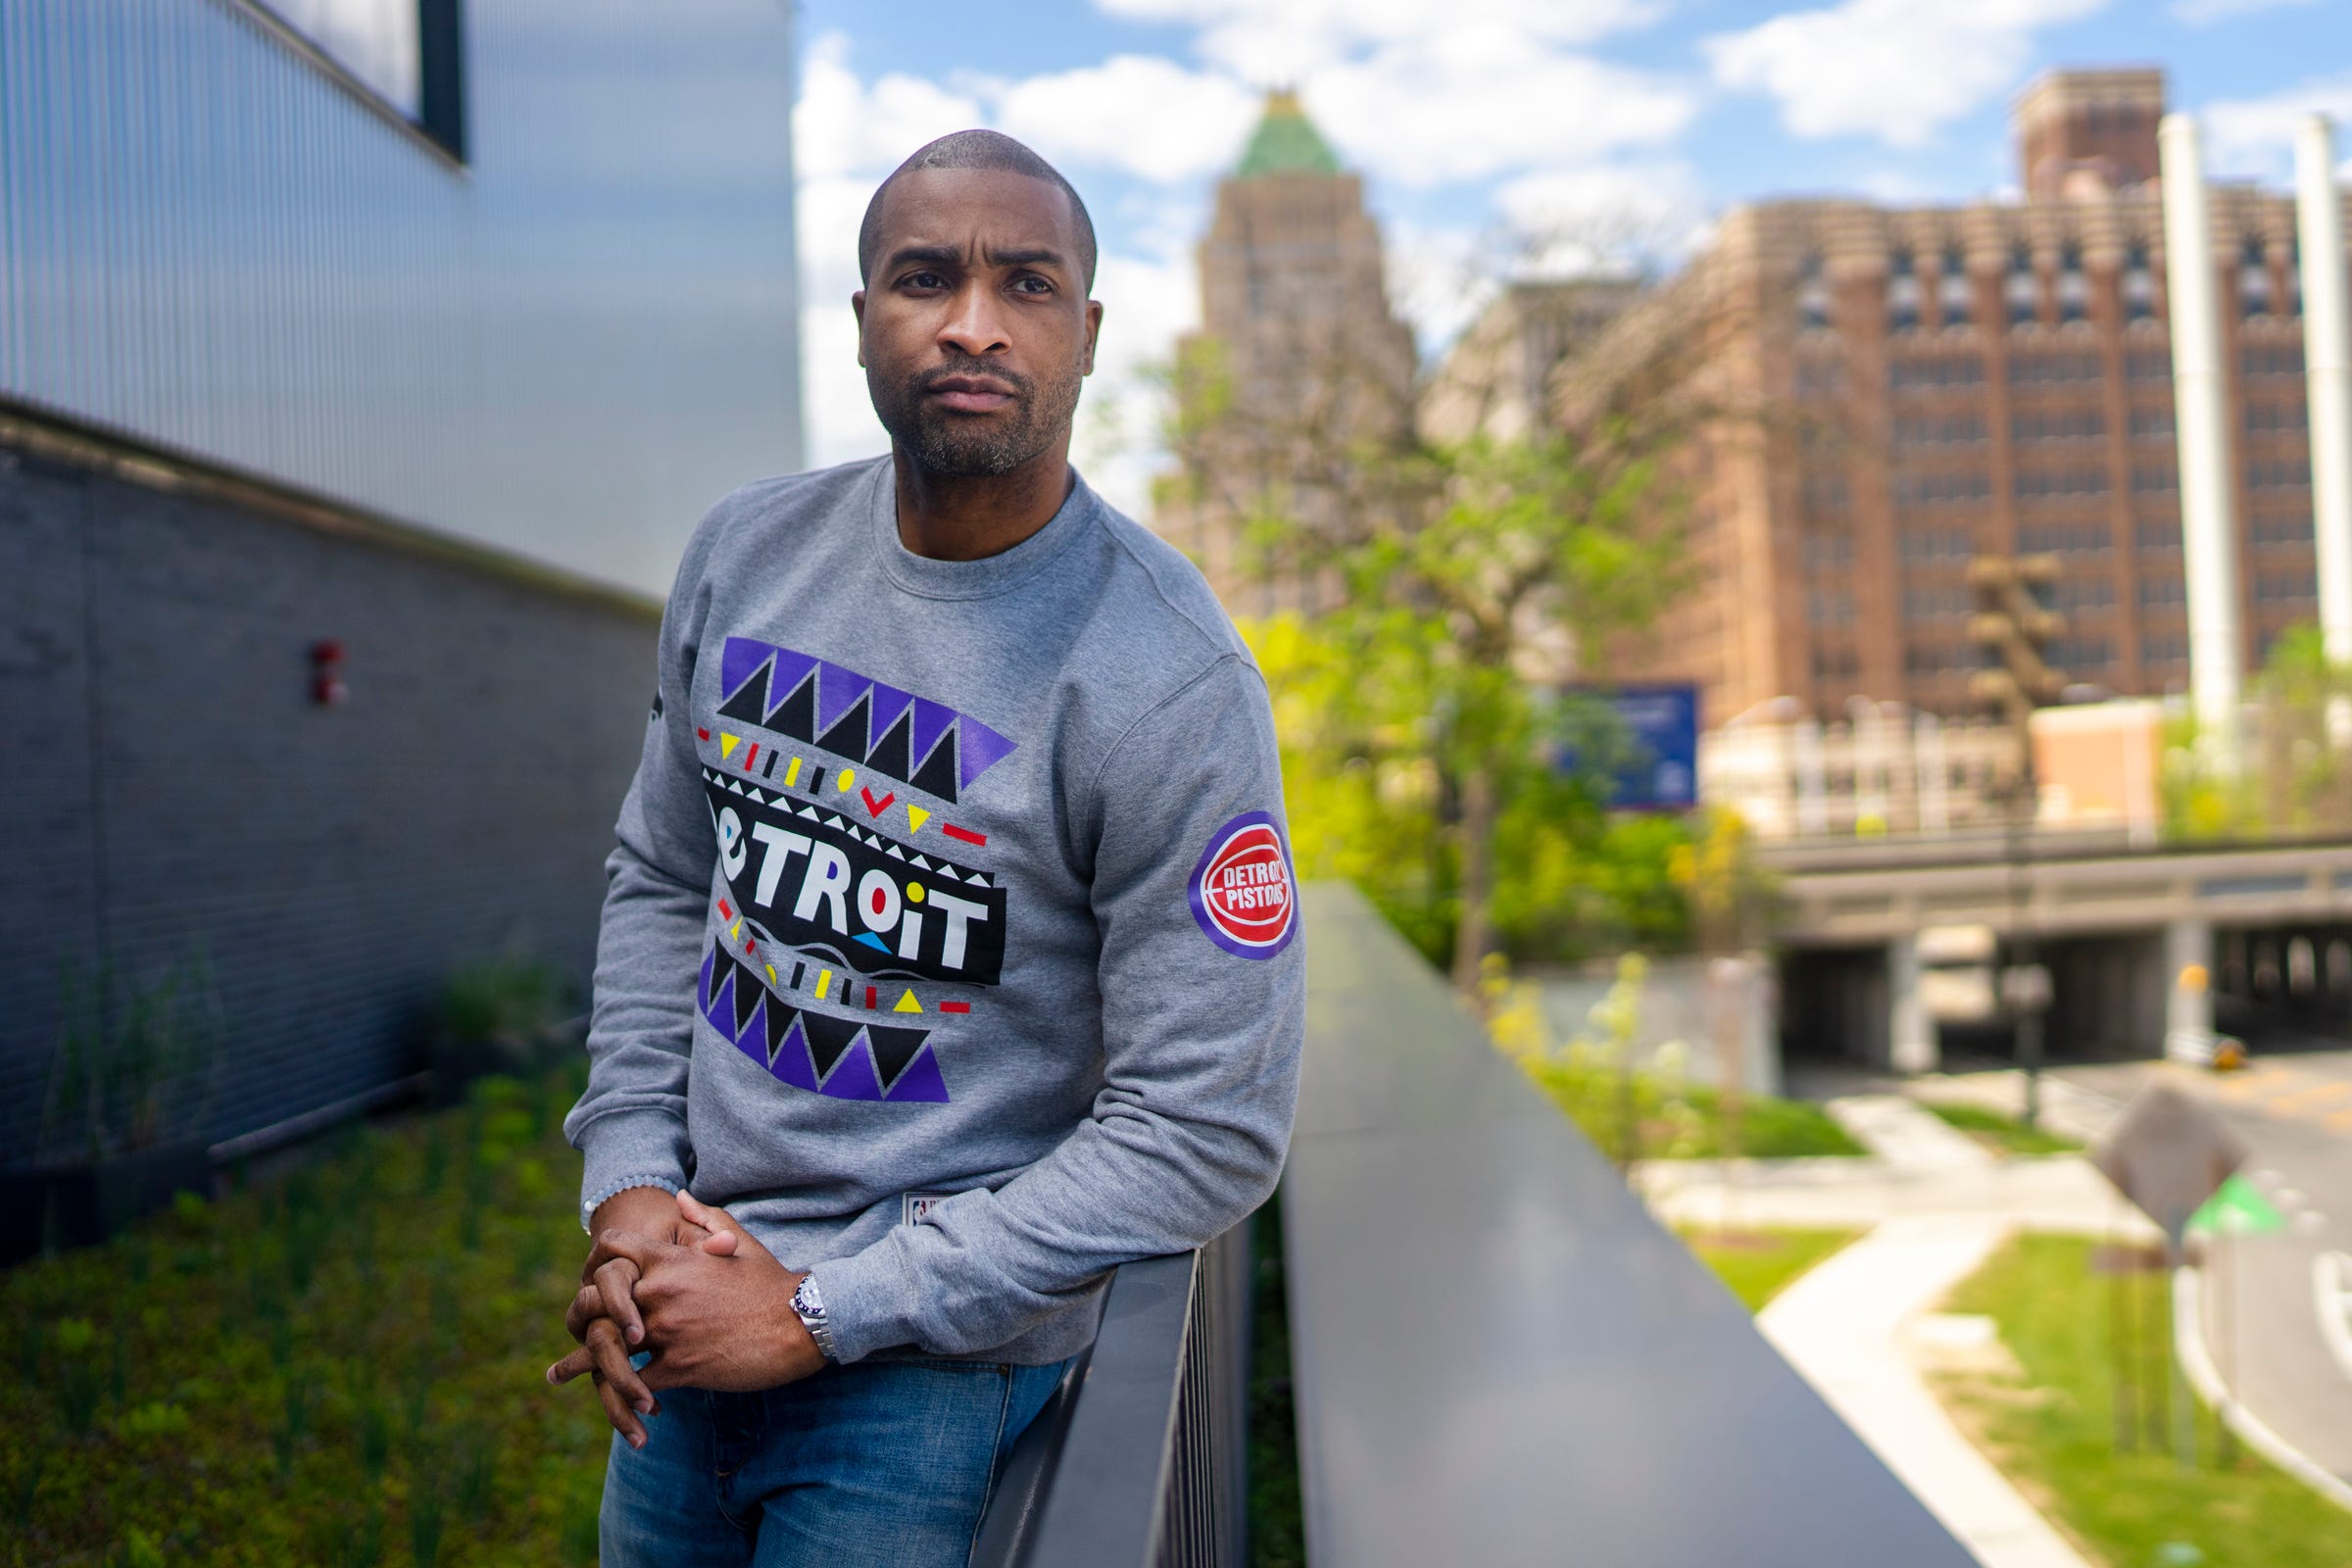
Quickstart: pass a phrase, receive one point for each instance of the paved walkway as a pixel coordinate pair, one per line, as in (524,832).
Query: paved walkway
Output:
(1841,1327)
(1936,1203)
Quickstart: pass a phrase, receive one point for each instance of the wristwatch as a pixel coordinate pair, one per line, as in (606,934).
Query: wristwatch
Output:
(812,1310)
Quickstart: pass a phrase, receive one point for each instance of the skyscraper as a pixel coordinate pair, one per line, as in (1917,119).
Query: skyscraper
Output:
(1299,357)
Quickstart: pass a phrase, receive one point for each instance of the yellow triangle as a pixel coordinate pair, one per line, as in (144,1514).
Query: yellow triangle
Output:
(772,976)
(916,816)
(908,1003)
(735,930)
(727,744)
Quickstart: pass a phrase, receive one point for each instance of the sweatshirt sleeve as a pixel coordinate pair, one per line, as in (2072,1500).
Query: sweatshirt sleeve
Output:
(630,1124)
(1203,981)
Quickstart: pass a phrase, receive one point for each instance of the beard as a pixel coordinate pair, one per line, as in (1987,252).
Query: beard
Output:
(975,446)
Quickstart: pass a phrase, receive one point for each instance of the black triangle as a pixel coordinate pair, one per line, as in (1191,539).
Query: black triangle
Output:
(893,1049)
(777,1026)
(847,737)
(937,776)
(889,756)
(749,703)
(828,1038)
(796,717)
(746,998)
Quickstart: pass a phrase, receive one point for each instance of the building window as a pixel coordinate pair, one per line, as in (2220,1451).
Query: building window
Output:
(1936,604)
(1819,376)
(1951,430)
(1828,606)
(2074,289)
(2050,368)
(2278,473)
(402,53)
(1952,301)
(2287,587)
(2150,365)
(2271,359)
(2254,278)
(1938,370)
(1812,294)
(2283,529)
(1942,489)
(2164,648)
(2083,593)
(2163,592)
(2265,417)
(2158,533)
(2041,483)
(1918,545)
(2140,286)
(1829,551)
(2021,291)
(2154,478)
(2080,655)
(2151,424)
(2058,424)
(1826,490)
(2062,539)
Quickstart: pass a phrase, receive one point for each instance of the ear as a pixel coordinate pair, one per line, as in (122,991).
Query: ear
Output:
(858,308)
(1094,331)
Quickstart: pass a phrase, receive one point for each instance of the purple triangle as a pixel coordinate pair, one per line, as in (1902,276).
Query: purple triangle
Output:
(982,749)
(752,1041)
(790,670)
(791,1059)
(889,704)
(741,659)
(931,721)
(708,958)
(853,1078)
(920,1080)
(837,691)
(722,1017)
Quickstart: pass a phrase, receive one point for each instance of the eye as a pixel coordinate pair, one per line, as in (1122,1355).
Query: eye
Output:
(1032,284)
(922,279)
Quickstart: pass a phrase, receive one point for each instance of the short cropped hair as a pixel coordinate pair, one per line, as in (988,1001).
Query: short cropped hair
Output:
(976,149)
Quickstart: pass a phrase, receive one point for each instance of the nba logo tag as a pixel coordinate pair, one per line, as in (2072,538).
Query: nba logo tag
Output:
(1244,893)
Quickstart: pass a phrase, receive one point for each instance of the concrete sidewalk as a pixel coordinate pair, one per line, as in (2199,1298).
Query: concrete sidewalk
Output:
(1840,1326)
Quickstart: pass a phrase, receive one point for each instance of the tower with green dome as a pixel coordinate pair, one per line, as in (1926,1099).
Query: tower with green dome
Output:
(1296,322)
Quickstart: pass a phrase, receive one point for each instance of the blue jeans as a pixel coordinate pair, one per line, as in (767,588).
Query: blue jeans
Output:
(883,1464)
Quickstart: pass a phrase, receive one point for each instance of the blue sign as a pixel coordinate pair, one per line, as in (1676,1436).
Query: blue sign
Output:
(1658,770)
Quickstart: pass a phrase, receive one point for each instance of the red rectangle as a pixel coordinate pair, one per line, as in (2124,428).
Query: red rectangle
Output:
(963,833)
(954,1006)
(870,996)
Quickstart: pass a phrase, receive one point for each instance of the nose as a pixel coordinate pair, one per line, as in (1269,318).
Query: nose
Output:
(973,325)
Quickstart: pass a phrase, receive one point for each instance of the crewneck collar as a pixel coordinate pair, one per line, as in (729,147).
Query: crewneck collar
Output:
(968,580)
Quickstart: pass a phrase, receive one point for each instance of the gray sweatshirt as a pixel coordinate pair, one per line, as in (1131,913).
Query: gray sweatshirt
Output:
(950,941)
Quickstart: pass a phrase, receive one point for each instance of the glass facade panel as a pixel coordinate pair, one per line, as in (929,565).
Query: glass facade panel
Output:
(379,41)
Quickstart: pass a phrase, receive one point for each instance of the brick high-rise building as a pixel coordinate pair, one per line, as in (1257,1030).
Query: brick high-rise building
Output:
(1907,388)
(1298,356)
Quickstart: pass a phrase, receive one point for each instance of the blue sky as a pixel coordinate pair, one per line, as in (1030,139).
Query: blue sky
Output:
(1472,117)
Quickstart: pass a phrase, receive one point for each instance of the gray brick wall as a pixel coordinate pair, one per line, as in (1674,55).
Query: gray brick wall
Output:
(167,786)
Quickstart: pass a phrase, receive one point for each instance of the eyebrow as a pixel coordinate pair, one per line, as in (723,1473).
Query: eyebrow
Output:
(953,256)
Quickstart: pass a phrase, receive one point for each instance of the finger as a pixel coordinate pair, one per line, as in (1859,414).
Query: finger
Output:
(720,1244)
(585,1308)
(718,1222)
(612,1243)
(624,1420)
(617,1289)
(571,1366)
(612,1362)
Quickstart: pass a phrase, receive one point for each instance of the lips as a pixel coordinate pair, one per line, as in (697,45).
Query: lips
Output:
(970,394)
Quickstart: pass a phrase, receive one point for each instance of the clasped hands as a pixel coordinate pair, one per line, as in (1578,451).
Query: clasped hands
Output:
(685,1281)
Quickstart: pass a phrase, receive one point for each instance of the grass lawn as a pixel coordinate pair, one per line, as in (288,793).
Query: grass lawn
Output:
(1758,1266)
(2002,1134)
(2052,1432)
(336,1367)
(1684,1121)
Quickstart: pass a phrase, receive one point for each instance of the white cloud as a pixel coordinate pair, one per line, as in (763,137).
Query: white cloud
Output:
(1604,216)
(2204,13)
(1471,102)
(843,126)
(1147,303)
(2254,138)
(1147,116)
(1896,69)
(1271,41)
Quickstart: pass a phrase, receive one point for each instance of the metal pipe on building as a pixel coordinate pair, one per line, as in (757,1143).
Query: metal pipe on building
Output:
(2208,468)
(2328,366)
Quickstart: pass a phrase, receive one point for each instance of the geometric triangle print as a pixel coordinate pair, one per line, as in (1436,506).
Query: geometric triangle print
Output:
(828,1038)
(778,1028)
(747,997)
(931,721)
(796,715)
(792,1064)
(893,1049)
(845,737)
(889,754)
(937,773)
(853,1078)
(921,1081)
(983,748)
(749,703)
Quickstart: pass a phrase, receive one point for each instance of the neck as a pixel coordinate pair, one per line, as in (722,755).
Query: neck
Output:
(951,517)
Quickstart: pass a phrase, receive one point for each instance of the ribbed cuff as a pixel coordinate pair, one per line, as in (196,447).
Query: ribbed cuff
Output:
(869,1299)
(630,1149)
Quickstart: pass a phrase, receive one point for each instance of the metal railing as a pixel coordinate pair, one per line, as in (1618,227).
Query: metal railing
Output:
(1137,1459)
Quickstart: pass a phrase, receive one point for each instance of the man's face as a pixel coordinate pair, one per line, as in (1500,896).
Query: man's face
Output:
(974,327)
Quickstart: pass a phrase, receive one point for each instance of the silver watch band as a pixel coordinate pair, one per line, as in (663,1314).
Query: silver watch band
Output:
(810,1306)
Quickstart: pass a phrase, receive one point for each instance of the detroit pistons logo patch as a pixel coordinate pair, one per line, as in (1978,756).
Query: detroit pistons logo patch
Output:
(1244,893)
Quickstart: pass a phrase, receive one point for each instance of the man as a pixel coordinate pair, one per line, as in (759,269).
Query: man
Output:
(950,946)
